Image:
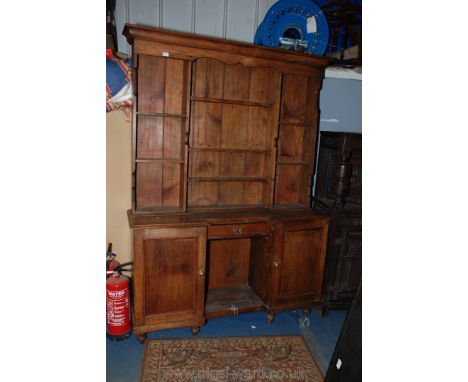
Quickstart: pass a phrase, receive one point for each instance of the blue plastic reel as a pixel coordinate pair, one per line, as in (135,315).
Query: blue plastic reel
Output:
(287,21)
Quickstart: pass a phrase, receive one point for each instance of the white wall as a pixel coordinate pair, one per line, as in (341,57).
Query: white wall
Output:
(229,19)
(341,105)
(118,184)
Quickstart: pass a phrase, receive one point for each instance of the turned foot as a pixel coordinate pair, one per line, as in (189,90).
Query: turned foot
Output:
(195,330)
(323,311)
(270,317)
(141,338)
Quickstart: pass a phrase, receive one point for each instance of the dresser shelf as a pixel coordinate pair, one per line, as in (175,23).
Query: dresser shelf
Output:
(231,301)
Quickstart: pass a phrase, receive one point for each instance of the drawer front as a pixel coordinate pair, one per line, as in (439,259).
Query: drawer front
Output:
(238,230)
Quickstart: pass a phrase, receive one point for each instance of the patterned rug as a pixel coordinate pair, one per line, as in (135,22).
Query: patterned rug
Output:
(267,358)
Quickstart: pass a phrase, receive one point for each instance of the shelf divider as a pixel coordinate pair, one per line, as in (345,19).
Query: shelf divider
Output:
(231,102)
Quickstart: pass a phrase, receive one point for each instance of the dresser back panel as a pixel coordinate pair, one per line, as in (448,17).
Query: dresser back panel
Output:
(234,109)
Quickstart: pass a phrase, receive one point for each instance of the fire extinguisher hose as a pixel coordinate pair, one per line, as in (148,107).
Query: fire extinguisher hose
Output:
(120,267)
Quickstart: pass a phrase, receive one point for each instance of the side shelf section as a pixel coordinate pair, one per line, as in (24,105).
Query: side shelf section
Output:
(160,149)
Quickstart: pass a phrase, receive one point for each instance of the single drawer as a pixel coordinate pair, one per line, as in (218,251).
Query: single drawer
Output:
(238,230)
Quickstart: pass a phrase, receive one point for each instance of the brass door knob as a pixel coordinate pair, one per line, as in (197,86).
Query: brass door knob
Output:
(275,264)
(237,230)
(201,272)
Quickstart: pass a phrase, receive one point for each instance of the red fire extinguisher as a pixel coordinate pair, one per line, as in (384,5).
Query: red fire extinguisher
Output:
(118,304)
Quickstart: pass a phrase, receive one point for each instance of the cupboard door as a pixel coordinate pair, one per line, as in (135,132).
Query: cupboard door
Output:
(297,264)
(169,275)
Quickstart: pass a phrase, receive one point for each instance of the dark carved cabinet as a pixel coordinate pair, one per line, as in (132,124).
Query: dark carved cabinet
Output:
(338,194)
(223,156)
(339,168)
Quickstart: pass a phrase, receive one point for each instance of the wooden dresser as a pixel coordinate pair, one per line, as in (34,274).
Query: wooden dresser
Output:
(223,154)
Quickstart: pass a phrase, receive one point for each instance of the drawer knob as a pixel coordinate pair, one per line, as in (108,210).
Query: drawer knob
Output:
(275,264)
(201,272)
(237,230)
